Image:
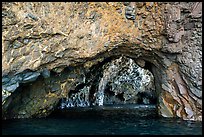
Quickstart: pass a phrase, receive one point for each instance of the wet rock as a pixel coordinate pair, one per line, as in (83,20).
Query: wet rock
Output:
(132,17)
(45,73)
(130,13)
(189,112)
(30,76)
(59,54)
(126,3)
(26,41)
(28,26)
(5,95)
(55,87)
(18,77)
(79,99)
(146,101)
(12,87)
(9,85)
(32,16)
(5,80)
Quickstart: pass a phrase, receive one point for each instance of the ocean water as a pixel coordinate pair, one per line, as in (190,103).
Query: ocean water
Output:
(106,120)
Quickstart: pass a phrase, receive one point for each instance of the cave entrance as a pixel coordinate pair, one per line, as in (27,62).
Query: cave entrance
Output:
(115,81)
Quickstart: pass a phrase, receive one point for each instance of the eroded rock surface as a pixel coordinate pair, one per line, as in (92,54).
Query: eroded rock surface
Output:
(49,47)
(120,81)
(126,79)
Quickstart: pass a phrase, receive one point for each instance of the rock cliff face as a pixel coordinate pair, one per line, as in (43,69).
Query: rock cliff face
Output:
(50,50)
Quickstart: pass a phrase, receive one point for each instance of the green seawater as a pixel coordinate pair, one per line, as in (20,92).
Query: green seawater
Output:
(118,120)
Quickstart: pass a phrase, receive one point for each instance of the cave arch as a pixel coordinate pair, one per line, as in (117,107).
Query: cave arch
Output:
(61,84)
